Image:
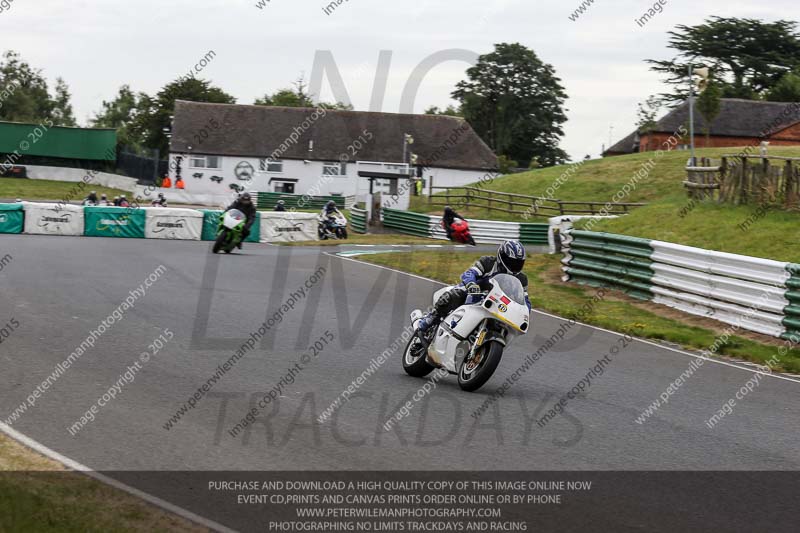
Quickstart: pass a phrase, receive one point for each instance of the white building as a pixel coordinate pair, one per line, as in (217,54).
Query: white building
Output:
(220,148)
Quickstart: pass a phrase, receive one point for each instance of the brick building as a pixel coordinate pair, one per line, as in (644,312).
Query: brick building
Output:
(739,123)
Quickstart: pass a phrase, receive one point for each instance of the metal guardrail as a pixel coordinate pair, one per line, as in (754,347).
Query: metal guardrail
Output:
(407,222)
(358,220)
(483,231)
(268,200)
(755,294)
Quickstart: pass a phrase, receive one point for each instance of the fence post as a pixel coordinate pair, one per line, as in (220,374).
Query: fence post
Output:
(723,178)
(743,181)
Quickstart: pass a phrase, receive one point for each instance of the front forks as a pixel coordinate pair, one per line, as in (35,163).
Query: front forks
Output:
(480,337)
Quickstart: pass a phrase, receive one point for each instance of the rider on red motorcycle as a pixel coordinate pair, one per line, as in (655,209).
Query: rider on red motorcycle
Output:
(449,217)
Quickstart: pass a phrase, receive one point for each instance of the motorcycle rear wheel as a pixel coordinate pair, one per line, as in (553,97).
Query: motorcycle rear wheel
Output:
(472,379)
(414,362)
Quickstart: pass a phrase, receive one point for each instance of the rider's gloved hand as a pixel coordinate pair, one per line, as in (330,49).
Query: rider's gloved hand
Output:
(473,288)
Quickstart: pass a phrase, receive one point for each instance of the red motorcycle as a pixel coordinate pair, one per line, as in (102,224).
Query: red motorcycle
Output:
(460,232)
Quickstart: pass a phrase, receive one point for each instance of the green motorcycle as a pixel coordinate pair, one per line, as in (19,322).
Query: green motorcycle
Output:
(229,233)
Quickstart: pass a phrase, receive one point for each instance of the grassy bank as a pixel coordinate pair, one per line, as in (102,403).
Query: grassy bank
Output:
(616,312)
(38,495)
(669,216)
(27,189)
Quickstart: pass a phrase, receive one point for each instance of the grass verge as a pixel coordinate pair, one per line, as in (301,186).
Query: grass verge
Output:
(38,495)
(373,239)
(617,312)
(27,189)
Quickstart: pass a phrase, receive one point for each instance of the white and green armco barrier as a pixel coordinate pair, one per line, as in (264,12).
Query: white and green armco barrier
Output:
(146,222)
(358,220)
(755,294)
(483,231)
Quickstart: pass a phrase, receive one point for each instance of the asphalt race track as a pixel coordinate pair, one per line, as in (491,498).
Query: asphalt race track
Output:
(60,289)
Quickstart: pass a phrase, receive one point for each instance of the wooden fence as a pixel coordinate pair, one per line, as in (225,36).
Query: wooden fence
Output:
(522,204)
(746,179)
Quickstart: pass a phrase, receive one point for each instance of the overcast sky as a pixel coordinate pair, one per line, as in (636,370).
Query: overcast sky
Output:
(98,45)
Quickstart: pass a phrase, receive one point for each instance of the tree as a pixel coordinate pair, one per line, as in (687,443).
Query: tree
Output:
(748,56)
(786,90)
(297,97)
(120,113)
(514,102)
(26,97)
(450,111)
(646,116)
(506,165)
(62,114)
(708,104)
(154,113)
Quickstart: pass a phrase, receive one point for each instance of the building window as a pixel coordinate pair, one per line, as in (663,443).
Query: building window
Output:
(204,161)
(284,187)
(334,169)
(271,165)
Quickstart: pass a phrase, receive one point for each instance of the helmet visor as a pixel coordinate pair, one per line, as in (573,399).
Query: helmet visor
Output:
(511,264)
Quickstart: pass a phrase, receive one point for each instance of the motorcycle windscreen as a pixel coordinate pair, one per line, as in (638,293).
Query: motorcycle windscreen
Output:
(512,287)
(233,218)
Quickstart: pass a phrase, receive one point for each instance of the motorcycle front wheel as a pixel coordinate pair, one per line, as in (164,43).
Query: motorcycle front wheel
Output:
(414,362)
(475,372)
(220,242)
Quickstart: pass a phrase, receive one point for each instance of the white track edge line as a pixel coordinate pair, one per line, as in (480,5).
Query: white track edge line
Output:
(85,470)
(645,341)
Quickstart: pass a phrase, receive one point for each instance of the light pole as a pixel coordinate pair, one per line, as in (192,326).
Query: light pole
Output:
(691,109)
(407,140)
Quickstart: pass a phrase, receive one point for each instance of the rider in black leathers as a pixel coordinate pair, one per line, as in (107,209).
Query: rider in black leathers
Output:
(510,259)
(245,204)
(449,217)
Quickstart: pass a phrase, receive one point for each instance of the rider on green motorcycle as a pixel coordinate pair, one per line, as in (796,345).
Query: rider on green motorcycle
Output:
(245,204)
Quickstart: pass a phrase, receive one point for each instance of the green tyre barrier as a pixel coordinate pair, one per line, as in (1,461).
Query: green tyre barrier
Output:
(117,222)
(12,218)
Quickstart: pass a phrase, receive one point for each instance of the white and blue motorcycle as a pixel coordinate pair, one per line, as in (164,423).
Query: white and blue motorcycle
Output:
(470,341)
